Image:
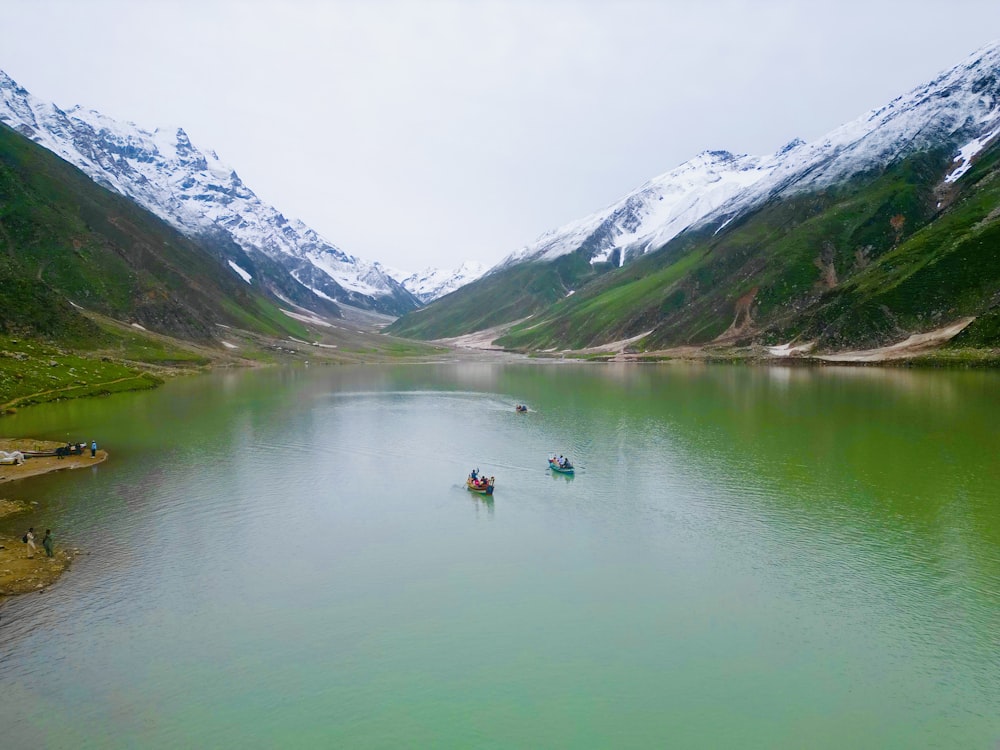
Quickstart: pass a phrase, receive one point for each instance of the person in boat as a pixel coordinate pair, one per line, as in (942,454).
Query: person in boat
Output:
(474,476)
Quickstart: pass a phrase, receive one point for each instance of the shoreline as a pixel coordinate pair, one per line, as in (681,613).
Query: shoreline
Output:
(927,349)
(19,573)
(33,467)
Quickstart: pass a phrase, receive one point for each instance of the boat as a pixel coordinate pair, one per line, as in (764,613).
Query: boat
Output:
(483,485)
(567,469)
(70,449)
(521,408)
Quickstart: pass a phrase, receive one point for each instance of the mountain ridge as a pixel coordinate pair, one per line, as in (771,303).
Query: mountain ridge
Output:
(72,244)
(204,198)
(717,199)
(748,180)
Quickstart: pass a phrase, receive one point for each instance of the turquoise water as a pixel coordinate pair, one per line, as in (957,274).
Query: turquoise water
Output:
(753,558)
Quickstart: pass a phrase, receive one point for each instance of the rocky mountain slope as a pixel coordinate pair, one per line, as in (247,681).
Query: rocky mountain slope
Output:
(69,245)
(193,190)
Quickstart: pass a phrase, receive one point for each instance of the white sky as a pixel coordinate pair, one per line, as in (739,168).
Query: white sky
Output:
(428,133)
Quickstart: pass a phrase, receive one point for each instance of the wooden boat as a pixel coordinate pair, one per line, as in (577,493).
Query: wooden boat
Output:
(70,449)
(567,469)
(483,488)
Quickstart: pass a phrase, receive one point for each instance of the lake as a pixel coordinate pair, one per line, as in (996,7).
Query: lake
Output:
(746,557)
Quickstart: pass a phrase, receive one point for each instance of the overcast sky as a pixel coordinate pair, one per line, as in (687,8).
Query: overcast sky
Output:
(425,133)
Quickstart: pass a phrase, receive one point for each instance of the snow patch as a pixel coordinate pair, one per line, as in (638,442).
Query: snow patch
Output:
(967,152)
(305,318)
(243,274)
(791,350)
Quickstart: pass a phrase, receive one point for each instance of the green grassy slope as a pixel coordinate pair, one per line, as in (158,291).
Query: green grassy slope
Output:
(498,298)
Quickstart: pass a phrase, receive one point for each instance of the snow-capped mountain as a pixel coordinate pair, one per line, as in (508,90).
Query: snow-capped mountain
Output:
(650,216)
(200,195)
(959,109)
(431,283)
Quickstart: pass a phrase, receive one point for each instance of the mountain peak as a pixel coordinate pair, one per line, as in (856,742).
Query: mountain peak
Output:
(791,146)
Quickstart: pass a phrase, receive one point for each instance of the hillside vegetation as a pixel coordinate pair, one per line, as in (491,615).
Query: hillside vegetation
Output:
(862,264)
(498,298)
(67,244)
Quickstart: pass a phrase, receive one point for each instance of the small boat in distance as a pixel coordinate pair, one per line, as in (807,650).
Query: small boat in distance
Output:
(520,408)
(561,464)
(482,485)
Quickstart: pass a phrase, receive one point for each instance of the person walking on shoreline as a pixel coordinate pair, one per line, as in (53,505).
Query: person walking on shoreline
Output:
(93,448)
(29,538)
(47,542)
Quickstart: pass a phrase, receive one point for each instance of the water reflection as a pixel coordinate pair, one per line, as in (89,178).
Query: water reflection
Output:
(482,501)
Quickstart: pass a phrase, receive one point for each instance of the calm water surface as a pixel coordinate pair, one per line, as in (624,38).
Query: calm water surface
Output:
(752,558)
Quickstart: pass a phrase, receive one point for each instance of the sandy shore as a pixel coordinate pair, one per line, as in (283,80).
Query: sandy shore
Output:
(35,466)
(19,573)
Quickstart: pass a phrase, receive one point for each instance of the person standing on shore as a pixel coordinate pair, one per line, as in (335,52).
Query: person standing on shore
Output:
(29,538)
(47,542)
(93,448)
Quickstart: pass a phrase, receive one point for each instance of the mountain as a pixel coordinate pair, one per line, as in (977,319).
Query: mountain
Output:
(433,283)
(958,106)
(194,191)
(655,213)
(752,248)
(68,245)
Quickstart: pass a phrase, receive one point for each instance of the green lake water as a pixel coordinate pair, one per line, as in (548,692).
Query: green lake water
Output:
(745,558)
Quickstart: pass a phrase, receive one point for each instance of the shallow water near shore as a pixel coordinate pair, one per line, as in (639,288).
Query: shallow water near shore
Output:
(746,557)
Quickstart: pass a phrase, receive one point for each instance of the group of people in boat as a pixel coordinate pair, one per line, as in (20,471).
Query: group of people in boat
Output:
(562,462)
(480,483)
